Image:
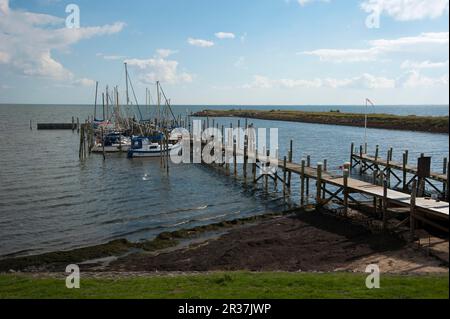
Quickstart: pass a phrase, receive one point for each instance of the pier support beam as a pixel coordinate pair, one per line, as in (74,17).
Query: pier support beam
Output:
(346,176)
(302,181)
(412,222)
(319,184)
(385,204)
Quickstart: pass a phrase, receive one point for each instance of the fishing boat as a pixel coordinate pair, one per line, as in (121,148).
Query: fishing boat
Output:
(152,146)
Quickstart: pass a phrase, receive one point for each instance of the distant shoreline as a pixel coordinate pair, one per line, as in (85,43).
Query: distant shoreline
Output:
(430,124)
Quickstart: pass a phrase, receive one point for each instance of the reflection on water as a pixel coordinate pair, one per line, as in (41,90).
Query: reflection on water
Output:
(50,201)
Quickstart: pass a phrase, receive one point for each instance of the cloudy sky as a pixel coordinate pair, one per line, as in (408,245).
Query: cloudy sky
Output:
(228,52)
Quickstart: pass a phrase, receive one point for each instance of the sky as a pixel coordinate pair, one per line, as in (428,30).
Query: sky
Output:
(233,52)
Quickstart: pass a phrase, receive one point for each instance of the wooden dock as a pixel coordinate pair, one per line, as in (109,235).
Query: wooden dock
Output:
(403,172)
(341,188)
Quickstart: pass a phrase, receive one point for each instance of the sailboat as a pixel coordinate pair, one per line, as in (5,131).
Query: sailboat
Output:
(159,140)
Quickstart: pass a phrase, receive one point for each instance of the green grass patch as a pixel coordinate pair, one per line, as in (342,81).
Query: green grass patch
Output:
(227,285)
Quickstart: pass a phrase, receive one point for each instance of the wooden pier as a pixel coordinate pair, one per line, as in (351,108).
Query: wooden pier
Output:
(403,172)
(343,188)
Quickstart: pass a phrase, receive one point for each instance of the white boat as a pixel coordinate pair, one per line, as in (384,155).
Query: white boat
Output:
(146,147)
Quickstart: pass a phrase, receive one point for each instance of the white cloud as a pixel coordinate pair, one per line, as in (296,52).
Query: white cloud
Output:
(84,82)
(414,79)
(200,43)
(365,81)
(225,35)
(111,57)
(31,38)
(423,65)
(407,10)
(4,57)
(165,53)
(305,2)
(424,41)
(160,69)
(346,55)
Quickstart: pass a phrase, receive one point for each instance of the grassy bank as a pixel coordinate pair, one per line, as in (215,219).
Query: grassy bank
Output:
(229,285)
(386,121)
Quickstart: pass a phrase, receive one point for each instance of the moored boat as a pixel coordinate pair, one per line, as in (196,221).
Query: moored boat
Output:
(151,147)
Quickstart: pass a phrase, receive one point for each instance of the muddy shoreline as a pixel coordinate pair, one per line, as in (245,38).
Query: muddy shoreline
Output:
(429,124)
(307,242)
(292,241)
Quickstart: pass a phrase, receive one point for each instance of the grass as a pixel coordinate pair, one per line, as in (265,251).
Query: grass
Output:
(434,124)
(238,285)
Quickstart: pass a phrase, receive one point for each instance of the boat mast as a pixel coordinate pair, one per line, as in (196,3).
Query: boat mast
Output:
(95,105)
(159,102)
(126,81)
(107,103)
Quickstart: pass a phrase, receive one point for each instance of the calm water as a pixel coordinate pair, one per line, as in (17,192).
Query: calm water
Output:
(50,201)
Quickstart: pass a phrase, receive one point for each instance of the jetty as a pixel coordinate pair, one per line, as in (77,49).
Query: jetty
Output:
(58,126)
(431,124)
(409,207)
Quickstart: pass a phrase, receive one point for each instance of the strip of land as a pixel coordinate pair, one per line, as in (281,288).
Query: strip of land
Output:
(431,124)
(226,285)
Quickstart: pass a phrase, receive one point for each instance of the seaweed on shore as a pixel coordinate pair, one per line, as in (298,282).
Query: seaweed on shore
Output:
(55,260)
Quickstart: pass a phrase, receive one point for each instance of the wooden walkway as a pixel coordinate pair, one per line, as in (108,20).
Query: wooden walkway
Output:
(440,177)
(429,206)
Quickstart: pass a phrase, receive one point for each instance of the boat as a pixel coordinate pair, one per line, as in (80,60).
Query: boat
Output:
(151,147)
(114,143)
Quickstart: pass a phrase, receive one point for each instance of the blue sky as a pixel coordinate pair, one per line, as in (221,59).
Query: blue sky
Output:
(228,52)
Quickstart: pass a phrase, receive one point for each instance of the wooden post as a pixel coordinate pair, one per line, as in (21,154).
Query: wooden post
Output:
(346,175)
(266,176)
(103,143)
(404,170)
(235,158)
(308,164)
(388,167)
(351,154)
(319,184)
(31,125)
(448,178)
(80,150)
(391,153)
(444,171)
(412,222)
(245,156)
(361,159)
(78,125)
(375,199)
(73,124)
(167,152)
(385,205)
(325,169)
(377,152)
(302,186)
(291,151)
(284,177)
